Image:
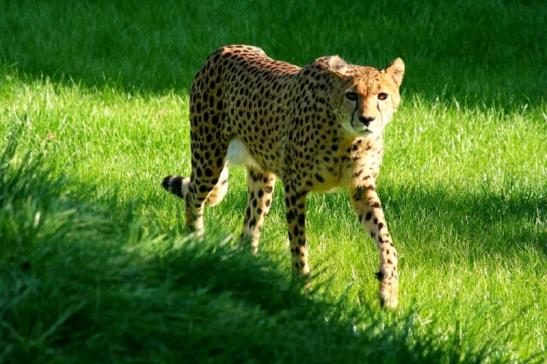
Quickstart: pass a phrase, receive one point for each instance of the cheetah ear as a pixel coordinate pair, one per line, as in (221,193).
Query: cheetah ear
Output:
(396,70)
(336,65)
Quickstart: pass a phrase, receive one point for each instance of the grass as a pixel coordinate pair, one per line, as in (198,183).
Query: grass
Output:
(80,284)
(94,261)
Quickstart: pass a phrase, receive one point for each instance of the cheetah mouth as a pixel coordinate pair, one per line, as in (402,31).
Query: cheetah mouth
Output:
(361,129)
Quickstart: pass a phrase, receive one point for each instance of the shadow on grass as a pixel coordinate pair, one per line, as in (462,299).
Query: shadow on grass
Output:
(82,284)
(504,223)
(151,47)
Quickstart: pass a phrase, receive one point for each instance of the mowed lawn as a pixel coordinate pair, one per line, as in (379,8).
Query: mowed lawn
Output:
(95,265)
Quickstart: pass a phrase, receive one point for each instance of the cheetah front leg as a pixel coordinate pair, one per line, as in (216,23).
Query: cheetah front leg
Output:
(367,204)
(295,205)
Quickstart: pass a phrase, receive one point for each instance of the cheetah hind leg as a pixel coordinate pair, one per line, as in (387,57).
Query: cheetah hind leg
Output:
(260,193)
(197,193)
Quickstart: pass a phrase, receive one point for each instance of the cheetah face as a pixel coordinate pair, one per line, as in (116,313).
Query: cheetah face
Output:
(369,111)
(369,97)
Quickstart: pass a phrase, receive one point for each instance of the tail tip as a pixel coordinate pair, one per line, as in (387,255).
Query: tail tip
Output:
(175,185)
(166,183)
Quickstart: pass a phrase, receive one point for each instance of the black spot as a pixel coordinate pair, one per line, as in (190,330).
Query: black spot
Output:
(219,162)
(358,196)
(290,215)
(293,200)
(319,178)
(379,275)
(368,216)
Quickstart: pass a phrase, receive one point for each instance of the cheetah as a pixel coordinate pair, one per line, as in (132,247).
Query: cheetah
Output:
(316,128)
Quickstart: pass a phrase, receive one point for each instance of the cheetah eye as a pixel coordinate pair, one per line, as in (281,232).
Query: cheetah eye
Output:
(351,96)
(382,96)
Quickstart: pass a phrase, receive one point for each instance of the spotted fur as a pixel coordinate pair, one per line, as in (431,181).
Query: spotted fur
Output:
(316,128)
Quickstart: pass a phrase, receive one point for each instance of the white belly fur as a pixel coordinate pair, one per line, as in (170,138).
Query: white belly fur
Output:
(239,154)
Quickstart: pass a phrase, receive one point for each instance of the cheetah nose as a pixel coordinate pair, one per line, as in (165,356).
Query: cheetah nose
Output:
(366,119)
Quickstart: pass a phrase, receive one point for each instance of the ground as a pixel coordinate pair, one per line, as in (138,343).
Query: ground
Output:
(102,93)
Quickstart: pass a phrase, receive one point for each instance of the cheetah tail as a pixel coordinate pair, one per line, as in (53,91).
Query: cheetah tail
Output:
(177,185)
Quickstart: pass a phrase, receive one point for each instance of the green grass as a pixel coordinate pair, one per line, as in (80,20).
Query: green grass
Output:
(80,284)
(96,266)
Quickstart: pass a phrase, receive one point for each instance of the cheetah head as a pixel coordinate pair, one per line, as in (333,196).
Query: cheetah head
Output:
(364,98)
